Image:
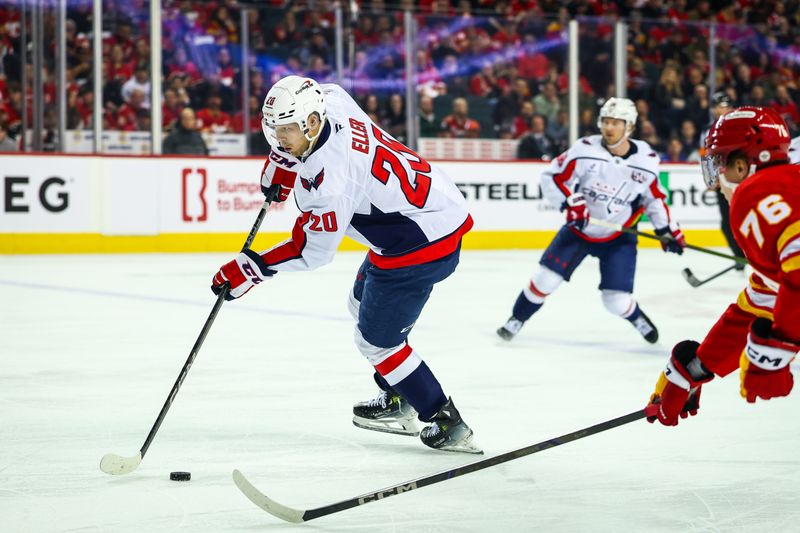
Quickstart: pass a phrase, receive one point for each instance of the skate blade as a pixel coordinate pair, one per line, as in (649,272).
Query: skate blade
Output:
(397,427)
(504,334)
(463,448)
(466,445)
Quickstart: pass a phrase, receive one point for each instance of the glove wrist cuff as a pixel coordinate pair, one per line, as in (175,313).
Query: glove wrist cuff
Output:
(259,262)
(684,368)
(766,351)
(776,356)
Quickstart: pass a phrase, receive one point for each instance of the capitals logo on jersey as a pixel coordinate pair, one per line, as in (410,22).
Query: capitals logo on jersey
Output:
(314,182)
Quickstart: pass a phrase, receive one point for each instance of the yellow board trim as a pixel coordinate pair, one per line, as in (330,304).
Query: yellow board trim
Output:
(91,243)
(791,231)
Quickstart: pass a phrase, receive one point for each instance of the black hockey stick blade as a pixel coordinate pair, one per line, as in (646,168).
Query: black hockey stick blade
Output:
(290,514)
(694,281)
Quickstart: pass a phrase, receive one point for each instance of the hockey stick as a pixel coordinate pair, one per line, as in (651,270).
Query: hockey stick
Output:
(663,238)
(116,464)
(304,515)
(689,276)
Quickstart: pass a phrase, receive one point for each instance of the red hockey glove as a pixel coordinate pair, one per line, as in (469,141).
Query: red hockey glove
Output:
(577,211)
(276,182)
(678,388)
(676,243)
(241,274)
(764,365)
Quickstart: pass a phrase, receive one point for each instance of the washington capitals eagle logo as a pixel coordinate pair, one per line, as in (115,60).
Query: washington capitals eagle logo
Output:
(313,183)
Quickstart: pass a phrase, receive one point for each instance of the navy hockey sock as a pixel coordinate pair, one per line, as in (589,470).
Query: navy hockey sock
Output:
(524,308)
(422,390)
(634,315)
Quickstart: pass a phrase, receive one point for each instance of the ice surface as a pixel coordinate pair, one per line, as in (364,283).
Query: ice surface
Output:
(91,345)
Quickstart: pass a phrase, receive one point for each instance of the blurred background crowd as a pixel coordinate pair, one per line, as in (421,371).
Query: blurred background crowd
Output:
(485,69)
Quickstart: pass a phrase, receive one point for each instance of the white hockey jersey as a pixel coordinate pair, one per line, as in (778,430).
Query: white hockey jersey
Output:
(617,189)
(360,182)
(794,150)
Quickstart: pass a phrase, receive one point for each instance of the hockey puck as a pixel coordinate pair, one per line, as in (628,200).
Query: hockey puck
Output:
(180,476)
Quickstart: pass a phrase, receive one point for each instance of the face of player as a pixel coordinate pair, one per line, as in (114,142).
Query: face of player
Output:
(720,110)
(292,139)
(612,129)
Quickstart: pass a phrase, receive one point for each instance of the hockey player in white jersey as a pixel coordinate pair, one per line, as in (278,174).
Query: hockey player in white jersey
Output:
(794,151)
(609,177)
(350,177)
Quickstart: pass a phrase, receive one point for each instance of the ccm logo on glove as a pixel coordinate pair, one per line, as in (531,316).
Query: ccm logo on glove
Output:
(241,275)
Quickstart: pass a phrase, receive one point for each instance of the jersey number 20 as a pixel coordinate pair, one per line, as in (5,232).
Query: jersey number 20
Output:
(772,208)
(389,151)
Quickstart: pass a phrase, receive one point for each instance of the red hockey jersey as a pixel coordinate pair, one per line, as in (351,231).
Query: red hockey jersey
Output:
(765,220)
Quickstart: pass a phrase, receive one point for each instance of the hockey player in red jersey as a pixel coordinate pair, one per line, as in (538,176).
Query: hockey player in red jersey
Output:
(748,159)
(349,177)
(609,177)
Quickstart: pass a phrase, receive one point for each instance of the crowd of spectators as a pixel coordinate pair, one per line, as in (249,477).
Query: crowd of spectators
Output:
(488,69)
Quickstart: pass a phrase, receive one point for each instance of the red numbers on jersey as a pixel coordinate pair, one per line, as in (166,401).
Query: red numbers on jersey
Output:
(773,209)
(327,222)
(389,151)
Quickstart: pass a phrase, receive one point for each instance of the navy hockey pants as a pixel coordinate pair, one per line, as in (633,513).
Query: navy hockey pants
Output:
(391,300)
(617,258)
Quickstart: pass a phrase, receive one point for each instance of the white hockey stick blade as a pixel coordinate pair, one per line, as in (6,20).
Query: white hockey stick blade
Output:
(274,508)
(116,465)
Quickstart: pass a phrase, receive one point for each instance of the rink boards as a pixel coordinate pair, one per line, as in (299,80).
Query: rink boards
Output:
(89,204)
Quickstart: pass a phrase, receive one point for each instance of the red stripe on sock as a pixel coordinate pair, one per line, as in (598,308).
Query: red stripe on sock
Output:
(394,360)
(537,292)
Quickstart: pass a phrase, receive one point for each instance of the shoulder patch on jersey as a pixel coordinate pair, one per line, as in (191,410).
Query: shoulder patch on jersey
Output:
(652,154)
(313,183)
(586,141)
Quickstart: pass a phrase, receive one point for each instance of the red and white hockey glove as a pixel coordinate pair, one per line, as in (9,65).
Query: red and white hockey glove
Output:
(676,241)
(764,365)
(277,183)
(678,388)
(241,274)
(577,211)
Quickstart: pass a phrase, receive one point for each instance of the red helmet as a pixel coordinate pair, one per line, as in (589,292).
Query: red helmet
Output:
(758,132)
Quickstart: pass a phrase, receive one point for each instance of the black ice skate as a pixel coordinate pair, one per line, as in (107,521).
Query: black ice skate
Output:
(448,432)
(510,328)
(388,413)
(646,327)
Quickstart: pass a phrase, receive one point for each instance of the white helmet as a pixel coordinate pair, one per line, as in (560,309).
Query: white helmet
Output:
(619,108)
(291,101)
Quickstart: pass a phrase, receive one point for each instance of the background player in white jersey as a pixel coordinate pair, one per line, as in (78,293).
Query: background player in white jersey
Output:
(794,151)
(609,177)
(354,179)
